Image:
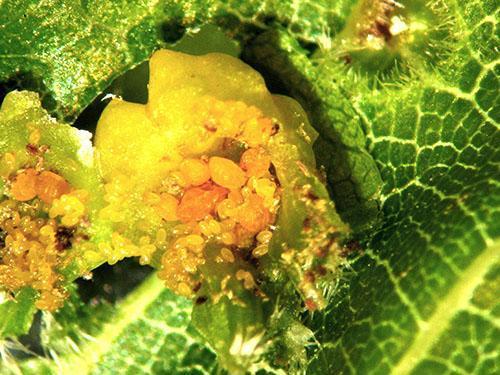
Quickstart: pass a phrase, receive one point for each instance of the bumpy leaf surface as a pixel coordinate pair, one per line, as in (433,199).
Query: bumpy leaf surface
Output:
(421,298)
(71,51)
(148,332)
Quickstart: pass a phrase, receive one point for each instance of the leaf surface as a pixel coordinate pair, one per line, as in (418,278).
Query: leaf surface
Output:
(148,332)
(419,300)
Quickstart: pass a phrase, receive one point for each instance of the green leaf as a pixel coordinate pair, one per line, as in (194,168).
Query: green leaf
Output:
(148,332)
(410,304)
(17,314)
(308,21)
(71,51)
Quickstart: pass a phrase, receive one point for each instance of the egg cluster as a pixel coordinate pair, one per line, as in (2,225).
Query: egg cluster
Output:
(121,243)
(229,200)
(38,220)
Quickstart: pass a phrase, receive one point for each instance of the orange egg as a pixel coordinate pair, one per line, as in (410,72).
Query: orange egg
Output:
(255,161)
(253,215)
(167,207)
(198,202)
(257,131)
(195,171)
(24,186)
(226,173)
(50,186)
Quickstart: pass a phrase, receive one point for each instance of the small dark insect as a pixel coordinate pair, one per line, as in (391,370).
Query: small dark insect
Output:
(275,129)
(383,30)
(64,236)
(210,126)
(197,287)
(311,196)
(321,270)
(381,24)
(350,248)
(272,170)
(32,149)
(254,262)
(248,257)
(3,234)
(307,224)
(201,300)
(347,59)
